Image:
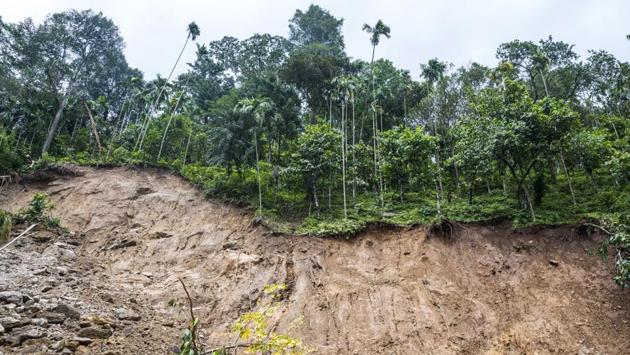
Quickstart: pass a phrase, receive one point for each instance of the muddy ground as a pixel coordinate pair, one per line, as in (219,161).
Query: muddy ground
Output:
(134,232)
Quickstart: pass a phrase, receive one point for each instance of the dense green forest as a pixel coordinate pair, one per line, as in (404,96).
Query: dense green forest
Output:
(322,143)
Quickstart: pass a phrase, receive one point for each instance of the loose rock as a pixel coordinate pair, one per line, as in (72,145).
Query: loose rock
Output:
(9,323)
(12,297)
(53,317)
(126,314)
(40,322)
(82,341)
(94,332)
(18,337)
(68,310)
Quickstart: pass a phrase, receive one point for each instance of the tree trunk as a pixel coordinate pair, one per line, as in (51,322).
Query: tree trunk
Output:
(343,161)
(529,203)
(168,124)
(258,173)
(566,173)
(157,100)
(74,128)
(94,131)
(354,177)
(544,83)
(400,188)
(55,123)
(186,153)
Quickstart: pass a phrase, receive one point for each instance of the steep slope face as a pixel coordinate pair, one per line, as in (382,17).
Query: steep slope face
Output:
(488,291)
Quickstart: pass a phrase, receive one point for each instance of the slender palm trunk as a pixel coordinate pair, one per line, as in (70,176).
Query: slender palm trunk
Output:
(157,100)
(258,173)
(168,124)
(375,130)
(343,160)
(186,152)
(354,183)
(405,109)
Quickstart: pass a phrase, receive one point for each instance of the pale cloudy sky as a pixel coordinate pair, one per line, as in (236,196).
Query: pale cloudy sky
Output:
(458,31)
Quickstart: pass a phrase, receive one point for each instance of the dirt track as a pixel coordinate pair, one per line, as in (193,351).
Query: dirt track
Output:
(490,291)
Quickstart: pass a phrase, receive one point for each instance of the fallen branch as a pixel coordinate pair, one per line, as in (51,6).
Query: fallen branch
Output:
(598,227)
(19,236)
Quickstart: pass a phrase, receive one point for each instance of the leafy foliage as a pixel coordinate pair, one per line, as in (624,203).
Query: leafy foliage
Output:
(324,144)
(254,328)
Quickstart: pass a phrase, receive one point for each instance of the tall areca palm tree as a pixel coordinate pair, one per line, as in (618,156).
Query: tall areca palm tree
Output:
(433,72)
(179,99)
(259,109)
(344,86)
(380,29)
(193,32)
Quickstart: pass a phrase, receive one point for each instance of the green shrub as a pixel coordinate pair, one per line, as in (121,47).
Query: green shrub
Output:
(36,209)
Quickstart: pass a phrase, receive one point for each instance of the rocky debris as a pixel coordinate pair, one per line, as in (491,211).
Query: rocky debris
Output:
(67,310)
(70,344)
(13,297)
(97,319)
(53,299)
(126,314)
(9,323)
(60,250)
(40,322)
(82,341)
(107,297)
(42,237)
(124,244)
(53,317)
(95,332)
(19,336)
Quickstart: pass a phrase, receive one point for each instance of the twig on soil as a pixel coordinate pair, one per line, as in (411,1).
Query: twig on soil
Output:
(193,323)
(19,236)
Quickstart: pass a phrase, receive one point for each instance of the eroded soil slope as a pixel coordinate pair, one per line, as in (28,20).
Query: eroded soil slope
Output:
(490,290)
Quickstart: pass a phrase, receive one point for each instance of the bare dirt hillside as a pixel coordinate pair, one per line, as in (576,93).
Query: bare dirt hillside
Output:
(491,290)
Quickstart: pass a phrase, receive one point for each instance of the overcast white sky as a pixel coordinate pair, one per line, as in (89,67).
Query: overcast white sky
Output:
(458,31)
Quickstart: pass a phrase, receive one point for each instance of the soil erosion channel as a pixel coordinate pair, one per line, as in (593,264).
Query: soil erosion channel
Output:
(490,290)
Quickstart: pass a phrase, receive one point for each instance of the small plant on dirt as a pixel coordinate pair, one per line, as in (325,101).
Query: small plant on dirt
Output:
(618,238)
(36,209)
(189,344)
(254,328)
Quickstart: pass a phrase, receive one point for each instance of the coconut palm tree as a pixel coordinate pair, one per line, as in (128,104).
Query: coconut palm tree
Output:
(380,29)
(193,32)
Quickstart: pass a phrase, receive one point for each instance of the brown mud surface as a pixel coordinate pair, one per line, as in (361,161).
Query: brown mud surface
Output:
(491,290)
